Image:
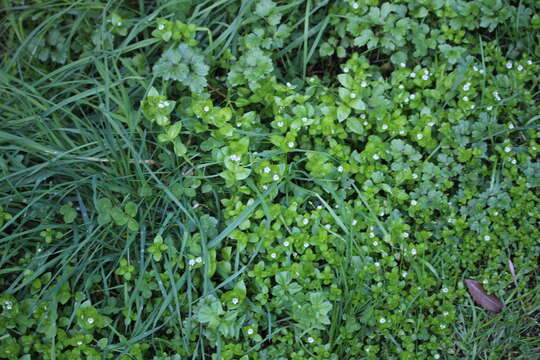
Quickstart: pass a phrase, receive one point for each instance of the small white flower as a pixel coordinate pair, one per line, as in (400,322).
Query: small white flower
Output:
(382,213)
(402,65)
(509,65)
(377,264)
(465,98)
(412,97)
(371,235)
(496,96)
(382,320)
(355,5)
(425,77)
(365,123)
(346,69)
(327,226)
(354,222)
(285,243)
(385,127)
(234,301)
(234,157)
(445,313)
(9,305)
(413,252)
(414,176)
(161,27)
(519,68)
(289,84)
(206,108)
(529,62)
(485,282)
(250,331)
(90,320)
(419,136)
(362,116)
(487,238)
(404,274)
(275,177)
(353,96)
(166,103)
(472,107)
(161,105)
(413,203)
(319,207)
(401,87)
(436,356)
(413,75)
(310,340)
(79,343)
(511,126)
(405,235)
(475,68)
(198,260)
(376,157)
(513,161)
(267,170)
(507,149)
(363,84)
(305,222)
(238,124)
(191,262)
(443,326)
(340,168)
(489,108)
(445,290)
(430,124)
(401,132)
(290,144)
(306,245)
(273,255)
(375,243)
(265,187)
(280,123)
(39,249)
(482,71)
(467,86)
(304,119)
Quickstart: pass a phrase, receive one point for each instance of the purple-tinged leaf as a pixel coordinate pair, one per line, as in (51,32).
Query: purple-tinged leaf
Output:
(488,302)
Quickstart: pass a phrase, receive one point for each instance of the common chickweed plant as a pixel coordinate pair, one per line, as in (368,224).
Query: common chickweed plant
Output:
(268,179)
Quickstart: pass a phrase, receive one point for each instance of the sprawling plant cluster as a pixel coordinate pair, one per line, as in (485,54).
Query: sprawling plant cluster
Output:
(267,179)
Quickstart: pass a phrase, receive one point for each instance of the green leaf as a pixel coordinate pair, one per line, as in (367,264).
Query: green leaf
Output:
(355,125)
(210,312)
(264,7)
(346,80)
(343,112)
(68,213)
(131,208)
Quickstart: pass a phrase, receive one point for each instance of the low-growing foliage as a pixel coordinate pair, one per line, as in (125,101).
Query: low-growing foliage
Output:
(269,179)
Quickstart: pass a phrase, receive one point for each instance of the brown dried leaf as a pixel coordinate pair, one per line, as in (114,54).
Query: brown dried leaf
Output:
(488,302)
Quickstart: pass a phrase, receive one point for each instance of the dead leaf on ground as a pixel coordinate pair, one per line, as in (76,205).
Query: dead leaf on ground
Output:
(488,302)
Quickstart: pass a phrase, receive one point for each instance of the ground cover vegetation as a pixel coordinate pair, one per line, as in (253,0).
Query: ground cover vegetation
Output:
(266,179)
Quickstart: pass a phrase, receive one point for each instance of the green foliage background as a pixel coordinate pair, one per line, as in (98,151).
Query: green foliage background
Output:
(267,179)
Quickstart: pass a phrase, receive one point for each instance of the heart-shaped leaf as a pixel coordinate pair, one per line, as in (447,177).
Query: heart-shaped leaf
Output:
(488,302)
